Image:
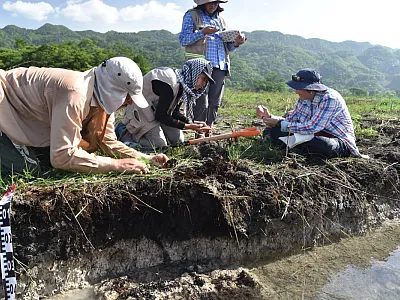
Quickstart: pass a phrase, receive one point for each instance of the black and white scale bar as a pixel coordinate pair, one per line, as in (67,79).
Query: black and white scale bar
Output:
(6,247)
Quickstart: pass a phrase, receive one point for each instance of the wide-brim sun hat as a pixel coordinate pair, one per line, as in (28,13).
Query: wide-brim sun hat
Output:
(307,79)
(201,2)
(115,78)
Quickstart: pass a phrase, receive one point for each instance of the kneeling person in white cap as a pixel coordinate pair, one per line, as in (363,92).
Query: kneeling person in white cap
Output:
(59,118)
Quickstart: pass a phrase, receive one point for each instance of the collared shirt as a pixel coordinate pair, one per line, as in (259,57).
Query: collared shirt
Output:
(215,46)
(43,107)
(327,112)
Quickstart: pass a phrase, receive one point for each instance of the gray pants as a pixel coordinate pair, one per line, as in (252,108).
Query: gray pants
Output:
(157,137)
(16,159)
(207,105)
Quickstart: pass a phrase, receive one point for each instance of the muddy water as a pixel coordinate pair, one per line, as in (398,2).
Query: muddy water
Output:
(366,267)
(86,294)
(381,280)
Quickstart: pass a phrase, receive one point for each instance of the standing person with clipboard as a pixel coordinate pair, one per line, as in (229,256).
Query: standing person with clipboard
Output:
(199,36)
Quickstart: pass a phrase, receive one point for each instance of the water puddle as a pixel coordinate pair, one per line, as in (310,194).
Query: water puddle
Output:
(366,267)
(380,281)
(86,294)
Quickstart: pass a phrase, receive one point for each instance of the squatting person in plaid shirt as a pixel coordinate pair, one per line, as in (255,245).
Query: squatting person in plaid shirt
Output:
(319,111)
(199,36)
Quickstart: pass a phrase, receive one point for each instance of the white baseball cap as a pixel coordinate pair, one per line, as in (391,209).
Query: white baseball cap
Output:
(115,78)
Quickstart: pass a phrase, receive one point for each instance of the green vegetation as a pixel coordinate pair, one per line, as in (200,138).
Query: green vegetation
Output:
(263,63)
(79,56)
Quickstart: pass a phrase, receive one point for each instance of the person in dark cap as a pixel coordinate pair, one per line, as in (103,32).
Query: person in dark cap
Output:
(320,120)
(167,91)
(59,118)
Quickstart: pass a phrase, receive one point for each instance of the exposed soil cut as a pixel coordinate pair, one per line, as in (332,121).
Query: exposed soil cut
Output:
(211,213)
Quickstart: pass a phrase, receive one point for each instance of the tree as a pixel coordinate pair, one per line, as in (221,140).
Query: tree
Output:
(271,83)
(358,92)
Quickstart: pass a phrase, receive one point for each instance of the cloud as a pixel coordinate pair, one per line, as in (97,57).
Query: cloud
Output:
(97,11)
(35,11)
(90,11)
(152,10)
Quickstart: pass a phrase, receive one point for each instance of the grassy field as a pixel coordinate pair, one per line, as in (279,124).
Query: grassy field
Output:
(238,110)
(241,106)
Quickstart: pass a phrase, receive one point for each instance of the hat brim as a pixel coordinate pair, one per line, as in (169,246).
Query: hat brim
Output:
(298,85)
(139,100)
(210,79)
(208,1)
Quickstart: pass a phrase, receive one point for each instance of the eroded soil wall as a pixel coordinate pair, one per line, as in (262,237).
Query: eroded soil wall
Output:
(214,212)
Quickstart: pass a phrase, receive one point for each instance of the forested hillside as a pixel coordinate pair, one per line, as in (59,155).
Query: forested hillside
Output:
(261,63)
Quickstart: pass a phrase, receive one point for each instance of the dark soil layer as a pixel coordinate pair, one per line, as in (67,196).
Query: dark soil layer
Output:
(290,205)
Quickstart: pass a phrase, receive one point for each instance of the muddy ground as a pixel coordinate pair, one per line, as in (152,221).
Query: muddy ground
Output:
(187,222)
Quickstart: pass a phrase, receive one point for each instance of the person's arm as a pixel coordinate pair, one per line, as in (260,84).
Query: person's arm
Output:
(166,97)
(188,36)
(232,46)
(328,107)
(111,146)
(178,115)
(114,148)
(65,136)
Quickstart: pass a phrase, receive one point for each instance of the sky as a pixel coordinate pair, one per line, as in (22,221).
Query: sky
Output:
(333,20)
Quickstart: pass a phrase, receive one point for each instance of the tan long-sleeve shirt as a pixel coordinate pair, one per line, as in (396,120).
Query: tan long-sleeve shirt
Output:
(42,107)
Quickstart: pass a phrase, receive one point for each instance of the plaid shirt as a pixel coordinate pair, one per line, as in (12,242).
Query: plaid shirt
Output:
(215,46)
(328,112)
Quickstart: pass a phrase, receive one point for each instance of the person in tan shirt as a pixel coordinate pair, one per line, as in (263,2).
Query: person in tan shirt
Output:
(68,115)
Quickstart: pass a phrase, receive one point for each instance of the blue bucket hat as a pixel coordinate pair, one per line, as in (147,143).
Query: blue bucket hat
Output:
(307,79)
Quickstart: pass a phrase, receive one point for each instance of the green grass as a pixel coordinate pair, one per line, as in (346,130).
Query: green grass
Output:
(237,104)
(238,110)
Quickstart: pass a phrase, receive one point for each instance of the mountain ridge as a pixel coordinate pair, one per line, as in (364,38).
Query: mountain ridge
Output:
(343,65)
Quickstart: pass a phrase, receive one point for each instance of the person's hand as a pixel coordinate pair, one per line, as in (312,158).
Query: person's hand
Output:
(203,127)
(240,39)
(263,112)
(159,160)
(198,126)
(131,165)
(210,30)
(271,122)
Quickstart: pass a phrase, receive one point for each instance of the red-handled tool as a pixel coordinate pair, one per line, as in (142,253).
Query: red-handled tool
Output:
(247,132)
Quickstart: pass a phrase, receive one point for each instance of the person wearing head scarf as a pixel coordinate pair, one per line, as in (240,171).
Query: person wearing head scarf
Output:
(53,117)
(320,123)
(167,92)
(201,36)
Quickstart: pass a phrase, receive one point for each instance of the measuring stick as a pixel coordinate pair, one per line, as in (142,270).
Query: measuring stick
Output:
(6,248)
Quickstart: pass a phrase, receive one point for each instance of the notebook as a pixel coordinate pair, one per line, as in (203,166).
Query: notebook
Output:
(296,139)
(228,35)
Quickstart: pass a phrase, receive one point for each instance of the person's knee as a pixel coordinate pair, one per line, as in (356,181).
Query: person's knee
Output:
(323,147)
(174,136)
(176,140)
(151,141)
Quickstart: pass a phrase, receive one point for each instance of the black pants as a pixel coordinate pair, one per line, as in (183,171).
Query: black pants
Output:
(320,146)
(18,160)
